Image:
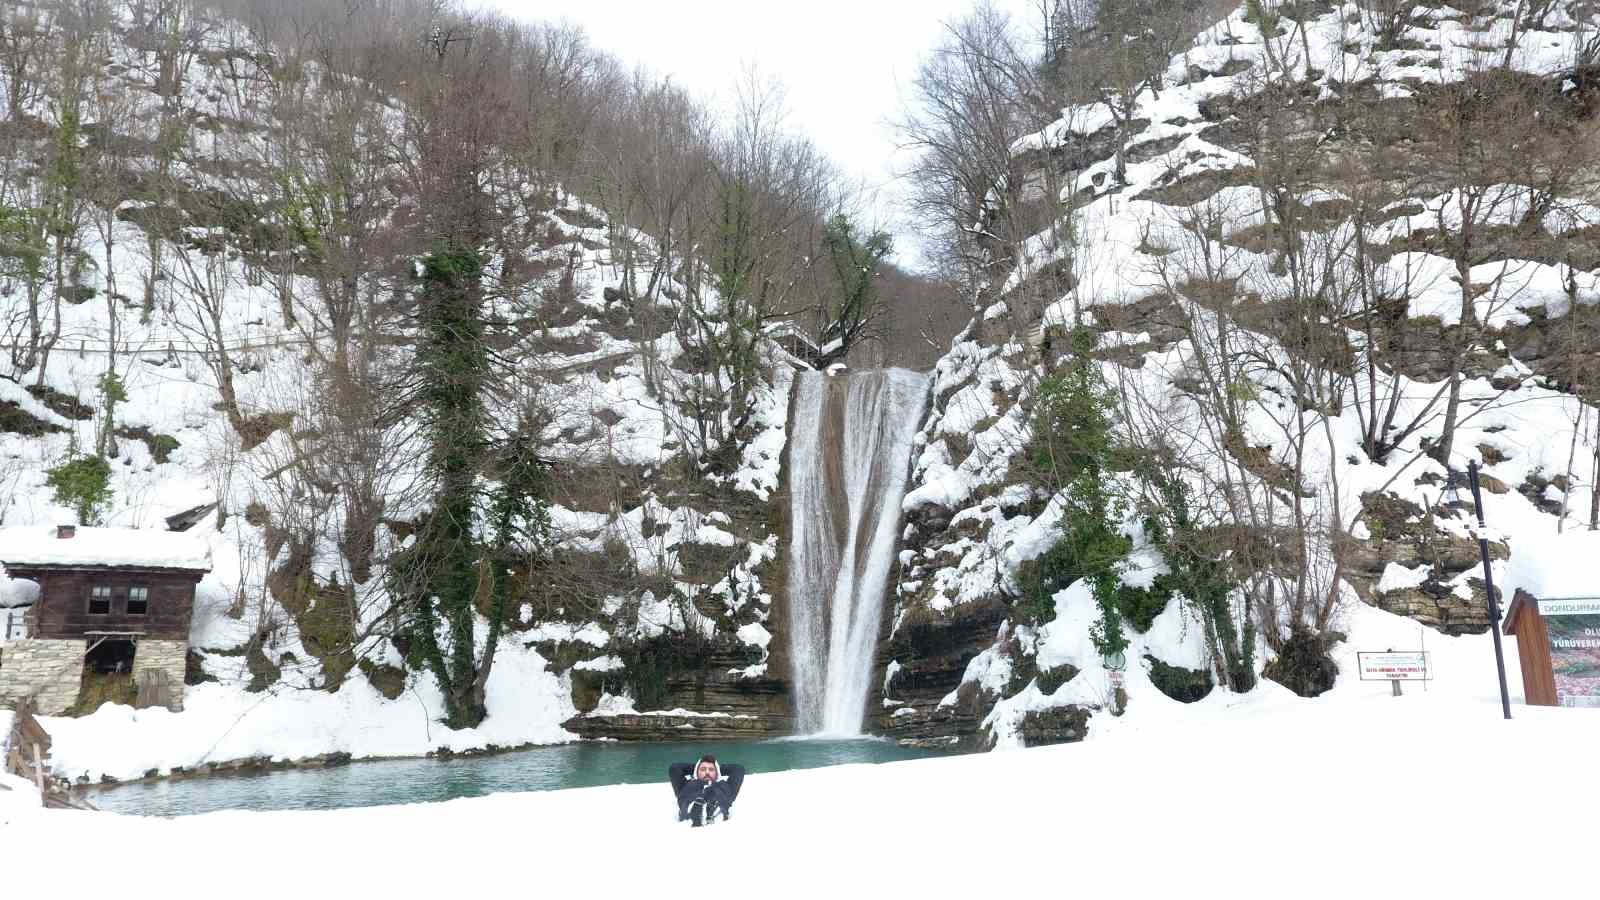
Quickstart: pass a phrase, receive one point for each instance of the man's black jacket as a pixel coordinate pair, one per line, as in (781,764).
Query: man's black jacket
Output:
(718,794)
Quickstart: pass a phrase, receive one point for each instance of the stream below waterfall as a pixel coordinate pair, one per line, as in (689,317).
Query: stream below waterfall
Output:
(384,782)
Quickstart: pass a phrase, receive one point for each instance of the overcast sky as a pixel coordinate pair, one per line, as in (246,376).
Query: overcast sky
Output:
(846,65)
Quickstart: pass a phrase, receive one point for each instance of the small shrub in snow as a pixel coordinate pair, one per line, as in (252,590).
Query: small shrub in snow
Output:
(1198,573)
(82,483)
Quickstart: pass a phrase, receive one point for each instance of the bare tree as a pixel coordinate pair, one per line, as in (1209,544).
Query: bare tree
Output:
(759,226)
(1499,152)
(24,44)
(651,167)
(977,93)
(174,31)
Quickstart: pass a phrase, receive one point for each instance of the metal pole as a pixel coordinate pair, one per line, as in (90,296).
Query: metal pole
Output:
(1488,584)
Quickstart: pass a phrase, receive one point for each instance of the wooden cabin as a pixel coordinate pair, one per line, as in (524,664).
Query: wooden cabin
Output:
(111,602)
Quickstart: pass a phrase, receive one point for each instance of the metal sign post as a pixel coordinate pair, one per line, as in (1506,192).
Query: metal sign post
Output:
(1488,584)
(1114,664)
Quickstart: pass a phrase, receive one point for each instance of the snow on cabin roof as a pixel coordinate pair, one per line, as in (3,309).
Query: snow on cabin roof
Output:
(121,547)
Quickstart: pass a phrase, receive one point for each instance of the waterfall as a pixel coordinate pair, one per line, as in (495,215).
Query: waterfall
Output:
(848,455)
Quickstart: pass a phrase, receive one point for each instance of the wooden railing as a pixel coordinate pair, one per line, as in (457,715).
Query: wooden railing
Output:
(28,756)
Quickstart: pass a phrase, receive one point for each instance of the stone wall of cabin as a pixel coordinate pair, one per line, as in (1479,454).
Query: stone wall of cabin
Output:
(164,656)
(50,671)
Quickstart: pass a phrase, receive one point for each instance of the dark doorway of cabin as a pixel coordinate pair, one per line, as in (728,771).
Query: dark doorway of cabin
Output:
(107,675)
(109,657)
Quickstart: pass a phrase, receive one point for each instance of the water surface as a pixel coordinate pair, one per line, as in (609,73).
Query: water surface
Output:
(583,764)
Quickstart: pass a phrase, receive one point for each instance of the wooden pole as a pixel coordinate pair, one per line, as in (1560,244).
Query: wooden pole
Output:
(38,771)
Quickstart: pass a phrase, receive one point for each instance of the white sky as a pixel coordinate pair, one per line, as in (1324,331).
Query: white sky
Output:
(846,65)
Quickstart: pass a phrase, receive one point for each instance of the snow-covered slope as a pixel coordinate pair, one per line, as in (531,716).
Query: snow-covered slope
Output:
(1173,265)
(679,547)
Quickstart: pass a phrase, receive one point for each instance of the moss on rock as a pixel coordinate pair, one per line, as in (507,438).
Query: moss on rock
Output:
(1061,725)
(390,681)
(1182,685)
(1051,679)
(194,671)
(1303,663)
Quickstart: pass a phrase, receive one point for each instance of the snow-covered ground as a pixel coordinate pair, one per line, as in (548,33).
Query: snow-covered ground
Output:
(1269,795)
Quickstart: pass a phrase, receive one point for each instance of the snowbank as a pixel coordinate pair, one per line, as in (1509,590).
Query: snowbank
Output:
(1096,820)
(1462,668)
(15,592)
(1554,565)
(19,805)
(220,722)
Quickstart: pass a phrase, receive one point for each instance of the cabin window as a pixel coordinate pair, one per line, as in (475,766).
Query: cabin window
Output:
(100,600)
(138,601)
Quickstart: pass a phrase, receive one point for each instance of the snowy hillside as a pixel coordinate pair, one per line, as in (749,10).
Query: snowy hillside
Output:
(234,421)
(1273,261)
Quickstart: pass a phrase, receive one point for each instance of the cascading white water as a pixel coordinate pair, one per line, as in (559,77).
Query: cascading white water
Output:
(848,455)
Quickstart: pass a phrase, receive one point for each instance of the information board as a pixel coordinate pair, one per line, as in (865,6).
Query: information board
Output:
(1394,666)
(1574,629)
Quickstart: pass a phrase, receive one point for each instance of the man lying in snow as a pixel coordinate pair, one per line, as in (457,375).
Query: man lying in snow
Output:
(704,789)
